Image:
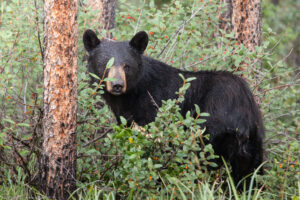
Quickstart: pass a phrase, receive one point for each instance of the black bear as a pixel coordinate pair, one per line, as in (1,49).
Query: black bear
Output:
(235,123)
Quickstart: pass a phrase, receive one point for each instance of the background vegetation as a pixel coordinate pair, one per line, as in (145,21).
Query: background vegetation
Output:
(135,162)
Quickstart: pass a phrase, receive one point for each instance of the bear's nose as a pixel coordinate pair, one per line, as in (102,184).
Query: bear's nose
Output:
(117,87)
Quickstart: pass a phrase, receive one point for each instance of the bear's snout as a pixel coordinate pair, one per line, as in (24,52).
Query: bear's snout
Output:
(118,85)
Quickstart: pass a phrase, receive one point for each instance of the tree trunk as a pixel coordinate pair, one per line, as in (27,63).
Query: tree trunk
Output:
(244,17)
(58,163)
(106,16)
(246,21)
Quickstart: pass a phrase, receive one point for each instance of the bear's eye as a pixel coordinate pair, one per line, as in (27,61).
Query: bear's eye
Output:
(126,68)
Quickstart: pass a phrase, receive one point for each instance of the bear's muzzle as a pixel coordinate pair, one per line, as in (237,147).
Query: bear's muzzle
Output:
(117,86)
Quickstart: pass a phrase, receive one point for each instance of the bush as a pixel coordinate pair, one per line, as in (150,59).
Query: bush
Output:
(139,160)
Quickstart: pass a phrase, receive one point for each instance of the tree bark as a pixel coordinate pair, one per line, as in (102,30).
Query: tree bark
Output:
(106,14)
(58,163)
(246,21)
(244,17)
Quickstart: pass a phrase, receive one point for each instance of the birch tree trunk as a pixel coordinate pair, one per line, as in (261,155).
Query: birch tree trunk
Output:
(58,163)
(106,14)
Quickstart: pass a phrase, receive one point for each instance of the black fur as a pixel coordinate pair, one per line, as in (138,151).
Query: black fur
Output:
(235,124)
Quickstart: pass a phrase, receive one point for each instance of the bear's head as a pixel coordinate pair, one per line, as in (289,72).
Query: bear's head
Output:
(127,68)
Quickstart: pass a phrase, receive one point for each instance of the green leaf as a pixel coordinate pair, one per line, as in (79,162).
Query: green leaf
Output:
(92,151)
(132,157)
(191,79)
(150,163)
(123,120)
(197,109)
(212,164)
(94,76)
(23,124)
(110,63)
(181,76)
(9,121)
(204,114)
(110,79)
(156,166)
(120,134)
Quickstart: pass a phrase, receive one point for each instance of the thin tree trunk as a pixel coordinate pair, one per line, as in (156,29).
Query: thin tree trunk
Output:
(106,14)
(58,163)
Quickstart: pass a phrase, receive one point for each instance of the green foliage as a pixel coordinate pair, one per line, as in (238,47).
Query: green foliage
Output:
(162,159)
(139,159)
(163,150)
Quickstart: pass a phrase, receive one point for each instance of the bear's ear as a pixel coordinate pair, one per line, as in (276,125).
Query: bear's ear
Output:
(139,41)
(90,40)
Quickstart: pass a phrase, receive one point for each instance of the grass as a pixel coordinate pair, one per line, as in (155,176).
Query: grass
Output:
(172,188)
